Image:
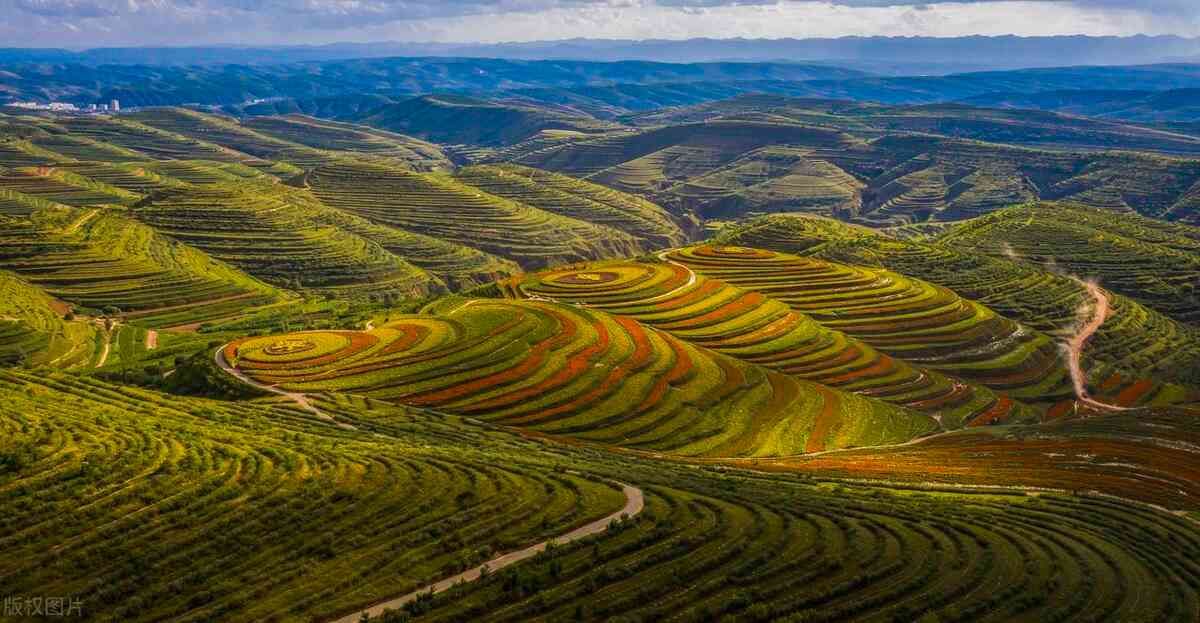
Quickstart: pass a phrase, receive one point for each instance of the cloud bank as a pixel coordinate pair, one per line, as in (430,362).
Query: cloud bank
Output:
(88,23)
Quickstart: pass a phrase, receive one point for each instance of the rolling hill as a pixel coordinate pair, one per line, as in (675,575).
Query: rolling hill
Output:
(1154,263)
(1149,106)
(282,199)
(531,347)
(458,119)
(1136,340)
(729,168)
(98,258)
(173,480)
(762,330)
(1032,128)
(562,371)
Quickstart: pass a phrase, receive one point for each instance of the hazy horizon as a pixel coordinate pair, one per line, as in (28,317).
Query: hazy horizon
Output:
(82,24)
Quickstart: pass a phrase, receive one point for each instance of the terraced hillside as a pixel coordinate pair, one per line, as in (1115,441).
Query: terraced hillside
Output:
(1135,341)
(457,119)
(761,330)
(641,160)
(907,318)
(1026,127)
(423,203)
(457,266)
(345,137)
(577,199)
(1140,456)
(230,133)
(453,495)
(1154,263)
(261,229)
(369,220)
(100,259)
(63,186)
(203,495)
(731,167)
(33,331)
(570,372)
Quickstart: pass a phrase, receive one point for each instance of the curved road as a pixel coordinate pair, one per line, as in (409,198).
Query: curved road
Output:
(298,398)
(1079,340)
(634,503)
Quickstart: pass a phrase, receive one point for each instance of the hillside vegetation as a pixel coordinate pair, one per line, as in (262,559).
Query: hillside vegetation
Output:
(421,203)
(318,206)
(99,259)
(905,317)
(762,330)
(566,371)
(734,166)
(1135,340)
(1154,263)
(173,481)
(34,332)
(457,119)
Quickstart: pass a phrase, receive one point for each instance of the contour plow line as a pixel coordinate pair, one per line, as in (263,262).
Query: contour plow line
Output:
(634,503)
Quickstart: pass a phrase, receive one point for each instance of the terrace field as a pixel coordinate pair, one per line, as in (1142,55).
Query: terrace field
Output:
(267,232)
(457,119)
(283,199)
(33,331)
(419,203)
(1135,340)
(97,259)
(396,498)
(766,359)
(748,164)
(906,318)
(1154,263)
(568,372)
(762,330)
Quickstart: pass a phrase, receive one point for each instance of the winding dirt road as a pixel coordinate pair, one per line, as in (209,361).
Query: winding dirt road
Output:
(296,397)
(634,503)
(1075,345)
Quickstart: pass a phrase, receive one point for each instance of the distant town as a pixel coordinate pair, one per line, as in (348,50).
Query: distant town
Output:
(67,107)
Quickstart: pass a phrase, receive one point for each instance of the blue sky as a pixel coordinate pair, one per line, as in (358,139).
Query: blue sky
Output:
(86,23)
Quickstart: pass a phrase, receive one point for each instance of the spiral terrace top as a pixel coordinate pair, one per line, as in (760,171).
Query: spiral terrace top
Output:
(569,371)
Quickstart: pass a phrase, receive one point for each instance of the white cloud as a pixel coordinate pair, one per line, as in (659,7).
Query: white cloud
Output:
(178,22)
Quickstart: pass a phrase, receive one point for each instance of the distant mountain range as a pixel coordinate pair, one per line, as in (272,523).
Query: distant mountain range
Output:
(150,85)
(602,89)
(882,55)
